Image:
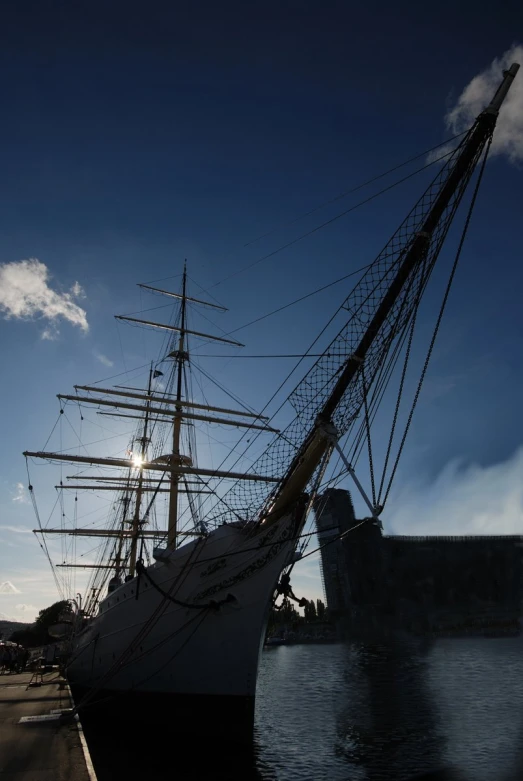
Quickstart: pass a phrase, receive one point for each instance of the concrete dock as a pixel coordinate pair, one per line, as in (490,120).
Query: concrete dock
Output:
(39,750)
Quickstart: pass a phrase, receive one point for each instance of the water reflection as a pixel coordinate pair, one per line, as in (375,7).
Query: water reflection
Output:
(387,727)
(347,712)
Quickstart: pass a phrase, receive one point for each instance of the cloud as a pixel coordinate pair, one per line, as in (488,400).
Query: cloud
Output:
(508,136)
(463,499)
(50,334)
(20,495)
(15,529)
(8,588)
(103,358)
(25,294)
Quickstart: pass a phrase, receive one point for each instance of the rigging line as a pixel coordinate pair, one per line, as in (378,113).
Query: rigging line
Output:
(379,395)
(146,514)
(97,441)
(318,337)
(369,443)
(42,542)
(333,200)
(335,539)
(424,285)
(52,512)
(161,279)
(259,547)
(201,615)
(162,642)
(354,189)
(286,379)
(52,431)
(106,439)
(227,392)
(377,398)
(290,355)
(332,219)
(208,319)
(276,392)
(203,291)
(342,305)
(380,383)
(91,550)
(205,432)
(149,309)
(441,312)
(120,374)
(400,392)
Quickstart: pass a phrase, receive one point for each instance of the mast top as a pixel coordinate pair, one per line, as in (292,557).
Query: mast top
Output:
(499,97)
(183,295)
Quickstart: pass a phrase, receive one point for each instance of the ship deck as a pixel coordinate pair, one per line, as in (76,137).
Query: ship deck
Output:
(34,749)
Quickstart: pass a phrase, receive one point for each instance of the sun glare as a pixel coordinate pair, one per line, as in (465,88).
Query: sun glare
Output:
(137,461)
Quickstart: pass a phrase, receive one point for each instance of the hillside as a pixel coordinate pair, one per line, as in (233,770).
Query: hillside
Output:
(8,626)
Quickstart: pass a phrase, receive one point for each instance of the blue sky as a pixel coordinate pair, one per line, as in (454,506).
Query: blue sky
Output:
(134,137)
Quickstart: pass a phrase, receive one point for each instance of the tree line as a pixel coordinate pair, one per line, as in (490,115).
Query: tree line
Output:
(37,634)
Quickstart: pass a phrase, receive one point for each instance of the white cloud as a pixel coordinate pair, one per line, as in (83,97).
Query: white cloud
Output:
(25,294)
(20,494)
(8,588)
(15,529)
(103,358)
(508,136)
(50,334)
(463,499)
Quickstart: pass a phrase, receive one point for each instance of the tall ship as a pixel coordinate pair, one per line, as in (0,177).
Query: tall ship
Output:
(176,614)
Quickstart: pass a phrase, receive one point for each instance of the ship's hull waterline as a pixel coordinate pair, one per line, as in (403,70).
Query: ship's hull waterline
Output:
(149,649)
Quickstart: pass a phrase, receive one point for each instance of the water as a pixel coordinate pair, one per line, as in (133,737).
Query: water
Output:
(452,710)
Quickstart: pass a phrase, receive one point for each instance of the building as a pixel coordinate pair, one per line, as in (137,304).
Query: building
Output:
(432,583)
(334,514)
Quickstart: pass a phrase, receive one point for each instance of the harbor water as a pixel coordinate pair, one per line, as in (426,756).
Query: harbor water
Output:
(450,709)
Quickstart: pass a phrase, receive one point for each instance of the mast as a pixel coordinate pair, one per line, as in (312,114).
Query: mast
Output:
(181,356)
(323,435)
(119,548)
(139,487)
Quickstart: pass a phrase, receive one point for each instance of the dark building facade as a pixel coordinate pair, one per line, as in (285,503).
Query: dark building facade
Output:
(334,513)
(426,584)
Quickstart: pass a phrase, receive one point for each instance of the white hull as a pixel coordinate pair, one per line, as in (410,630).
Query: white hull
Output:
(150,645)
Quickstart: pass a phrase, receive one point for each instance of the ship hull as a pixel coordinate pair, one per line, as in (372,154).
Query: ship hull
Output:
(158,652)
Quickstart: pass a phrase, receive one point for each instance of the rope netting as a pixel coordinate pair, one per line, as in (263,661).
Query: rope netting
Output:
(246,499)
